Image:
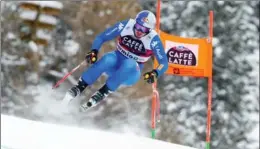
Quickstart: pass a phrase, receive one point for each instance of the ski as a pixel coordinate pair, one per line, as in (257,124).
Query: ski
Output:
(96,98)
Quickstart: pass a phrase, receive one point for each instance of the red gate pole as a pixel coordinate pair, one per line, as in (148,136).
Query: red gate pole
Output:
(209,83)
(155,98)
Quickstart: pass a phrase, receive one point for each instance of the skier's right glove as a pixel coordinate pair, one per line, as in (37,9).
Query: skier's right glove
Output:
(150,77)
(92,56)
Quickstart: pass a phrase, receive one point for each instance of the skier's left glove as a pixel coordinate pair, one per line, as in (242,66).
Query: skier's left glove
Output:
(151,76)
(92,56)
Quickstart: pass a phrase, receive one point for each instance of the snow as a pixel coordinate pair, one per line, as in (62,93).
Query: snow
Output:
(31,15)
(71,47)
(230,9)
(9,56)
(109,11)
(254,135)
(101,13)
(10,36)
(51,4)
(221,2)
(33,77)
(56,73)
(248,9)
(171,106)
(28,15)
(8,62)
(43,35)
(193,4)
(33,46)
(218,51)
(254,60)
(48,19)
(18,133)
(89,32)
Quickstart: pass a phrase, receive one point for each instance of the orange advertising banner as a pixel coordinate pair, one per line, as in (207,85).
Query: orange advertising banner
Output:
(187,56)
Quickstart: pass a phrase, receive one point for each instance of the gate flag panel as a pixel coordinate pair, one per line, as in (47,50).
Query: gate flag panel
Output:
(187,56)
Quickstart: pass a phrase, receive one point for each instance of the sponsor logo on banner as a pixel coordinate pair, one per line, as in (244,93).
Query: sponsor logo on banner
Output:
(182,54)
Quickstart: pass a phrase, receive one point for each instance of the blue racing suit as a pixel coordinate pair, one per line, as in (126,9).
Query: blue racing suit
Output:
(123,65)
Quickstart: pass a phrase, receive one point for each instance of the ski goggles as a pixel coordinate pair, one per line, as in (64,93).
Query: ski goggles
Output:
(141,28)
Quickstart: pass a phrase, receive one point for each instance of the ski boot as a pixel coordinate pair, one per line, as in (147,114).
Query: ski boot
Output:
(75,91)
(98,96)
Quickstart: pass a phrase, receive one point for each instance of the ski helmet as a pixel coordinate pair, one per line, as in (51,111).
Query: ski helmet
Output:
(146,18)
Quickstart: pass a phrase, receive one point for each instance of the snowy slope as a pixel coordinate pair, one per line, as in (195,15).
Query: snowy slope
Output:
(17,133)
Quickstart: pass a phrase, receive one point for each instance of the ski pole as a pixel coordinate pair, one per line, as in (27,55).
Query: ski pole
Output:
(68,74)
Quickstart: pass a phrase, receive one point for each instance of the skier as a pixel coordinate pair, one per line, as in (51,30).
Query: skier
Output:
(137,42)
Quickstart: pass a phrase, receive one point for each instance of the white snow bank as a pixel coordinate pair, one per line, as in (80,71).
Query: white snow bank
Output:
(31,15)
(17,133)
(48,19)
(28,15)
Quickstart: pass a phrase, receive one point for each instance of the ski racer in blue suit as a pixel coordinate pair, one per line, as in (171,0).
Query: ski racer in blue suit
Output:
(137,41)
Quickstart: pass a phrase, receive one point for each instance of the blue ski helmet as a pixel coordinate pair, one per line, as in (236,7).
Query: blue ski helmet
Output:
(146,18)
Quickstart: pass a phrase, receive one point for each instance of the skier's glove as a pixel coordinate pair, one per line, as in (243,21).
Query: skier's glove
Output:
(151,76)
(92,56)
